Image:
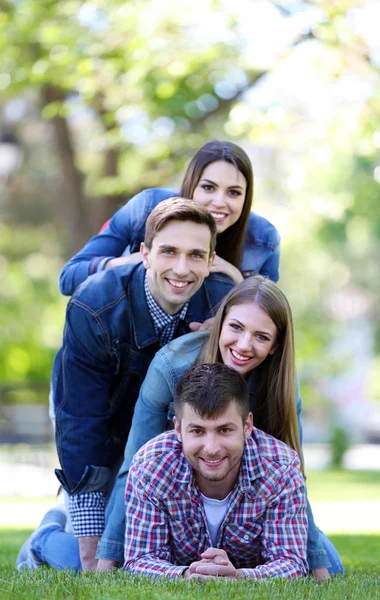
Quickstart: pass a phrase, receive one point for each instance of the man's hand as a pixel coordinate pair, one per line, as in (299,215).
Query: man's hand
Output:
(214,563)
(106,565)
(321,574)
(208,324)
(88,546)
(130,259)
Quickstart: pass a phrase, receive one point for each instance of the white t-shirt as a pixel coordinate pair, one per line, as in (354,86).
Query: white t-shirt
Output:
(215,511)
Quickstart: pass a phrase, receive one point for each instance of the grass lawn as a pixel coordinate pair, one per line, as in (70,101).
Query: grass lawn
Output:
(360,554)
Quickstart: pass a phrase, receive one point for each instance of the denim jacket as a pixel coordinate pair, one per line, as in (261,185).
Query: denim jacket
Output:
(108,343)
(126,230)
(150,419)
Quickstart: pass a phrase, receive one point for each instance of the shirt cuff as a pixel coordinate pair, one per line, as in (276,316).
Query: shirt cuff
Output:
(87,513)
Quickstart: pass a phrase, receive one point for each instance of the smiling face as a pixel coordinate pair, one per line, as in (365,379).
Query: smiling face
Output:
(214,447)
(222,189)
(177,263)
(247,337)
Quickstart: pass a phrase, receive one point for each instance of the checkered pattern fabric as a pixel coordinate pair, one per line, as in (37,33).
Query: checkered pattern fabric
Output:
(264,531)
(87,513)
(164,324)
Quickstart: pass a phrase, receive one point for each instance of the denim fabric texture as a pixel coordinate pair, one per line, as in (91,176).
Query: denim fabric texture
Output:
(108,343)
(151,418)
(126,231)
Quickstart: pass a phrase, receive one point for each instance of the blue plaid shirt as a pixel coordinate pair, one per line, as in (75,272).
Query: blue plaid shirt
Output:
(264,531)
(87,510)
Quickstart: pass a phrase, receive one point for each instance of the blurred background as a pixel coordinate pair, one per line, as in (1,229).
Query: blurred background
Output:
(101,99)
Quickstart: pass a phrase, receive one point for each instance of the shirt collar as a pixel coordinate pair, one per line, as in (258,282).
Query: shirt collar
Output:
(160,317)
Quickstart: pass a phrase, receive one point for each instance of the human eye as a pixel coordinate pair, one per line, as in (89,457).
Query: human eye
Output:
(197,255)
(262,338)
(197,431)
(225,430)
(235,193)
(168,251)
(235,326)
(207,187)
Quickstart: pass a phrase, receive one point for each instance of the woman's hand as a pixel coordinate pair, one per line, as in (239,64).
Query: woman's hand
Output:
(321,574)
(222,266)
(131,259)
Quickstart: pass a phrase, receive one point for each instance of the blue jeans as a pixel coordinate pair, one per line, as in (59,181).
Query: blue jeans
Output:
(54,547)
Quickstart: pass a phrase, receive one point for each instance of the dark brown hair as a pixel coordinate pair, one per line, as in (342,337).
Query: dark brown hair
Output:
(209,390)
(230,241)
(178,209)
(275,410)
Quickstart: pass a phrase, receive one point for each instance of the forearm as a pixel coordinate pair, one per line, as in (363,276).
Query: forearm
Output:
(316,554)
(153,566)
(87,550)
(281,567)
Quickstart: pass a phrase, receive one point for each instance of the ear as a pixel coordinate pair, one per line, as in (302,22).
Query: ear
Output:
(248,426)
(145,255)
(210,261)
(177,429)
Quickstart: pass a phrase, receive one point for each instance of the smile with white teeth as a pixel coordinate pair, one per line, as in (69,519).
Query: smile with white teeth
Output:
(239,356)
(212,462)
(178,284)
(218,216)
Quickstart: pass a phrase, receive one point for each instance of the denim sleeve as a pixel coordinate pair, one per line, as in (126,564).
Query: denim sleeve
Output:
(126,227)
(81,380)
(149,420)
(316,553)
(271,266)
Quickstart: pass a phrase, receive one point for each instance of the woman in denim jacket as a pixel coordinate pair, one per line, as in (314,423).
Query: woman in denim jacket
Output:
(253,334)
(220,177)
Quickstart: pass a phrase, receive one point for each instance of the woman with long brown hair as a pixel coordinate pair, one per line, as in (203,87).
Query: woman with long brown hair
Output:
(220,177)
(253,334)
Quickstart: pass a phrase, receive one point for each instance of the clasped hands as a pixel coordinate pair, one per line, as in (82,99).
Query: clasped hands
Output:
(214,563)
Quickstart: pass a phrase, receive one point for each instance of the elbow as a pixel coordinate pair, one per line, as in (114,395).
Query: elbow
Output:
(64,286)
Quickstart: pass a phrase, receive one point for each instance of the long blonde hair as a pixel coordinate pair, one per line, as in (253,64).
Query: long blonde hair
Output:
(275,412)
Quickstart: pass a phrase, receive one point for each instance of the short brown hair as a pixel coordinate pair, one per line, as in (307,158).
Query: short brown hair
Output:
(178,209)
(210,389)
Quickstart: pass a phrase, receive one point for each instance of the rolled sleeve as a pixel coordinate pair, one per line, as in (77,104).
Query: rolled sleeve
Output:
(87,513)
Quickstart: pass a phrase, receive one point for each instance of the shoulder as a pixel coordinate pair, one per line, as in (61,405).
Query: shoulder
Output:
(218,284)
(159,464)
(272,452)
(150,197)
(190,343)
(172,360)
(105,288)
(260,231)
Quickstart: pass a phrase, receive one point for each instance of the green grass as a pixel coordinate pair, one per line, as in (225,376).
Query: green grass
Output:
(360,555)
(337,485)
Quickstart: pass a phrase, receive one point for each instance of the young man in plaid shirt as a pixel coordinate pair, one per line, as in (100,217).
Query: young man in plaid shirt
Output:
(215,497)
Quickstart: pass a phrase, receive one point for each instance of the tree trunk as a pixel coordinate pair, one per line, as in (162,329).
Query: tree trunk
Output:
(73,204)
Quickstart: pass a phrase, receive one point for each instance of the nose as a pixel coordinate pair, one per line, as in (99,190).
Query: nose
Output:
(181,266)
(245,341)
(211,445)
(218,199)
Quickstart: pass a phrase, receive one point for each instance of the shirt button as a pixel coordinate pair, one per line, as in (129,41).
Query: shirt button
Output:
(246,537)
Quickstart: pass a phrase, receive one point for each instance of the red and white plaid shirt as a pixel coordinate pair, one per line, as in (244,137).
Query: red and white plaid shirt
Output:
(264,531)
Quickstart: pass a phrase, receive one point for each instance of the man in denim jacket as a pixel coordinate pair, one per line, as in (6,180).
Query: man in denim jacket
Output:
(115,323)
(217,497)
